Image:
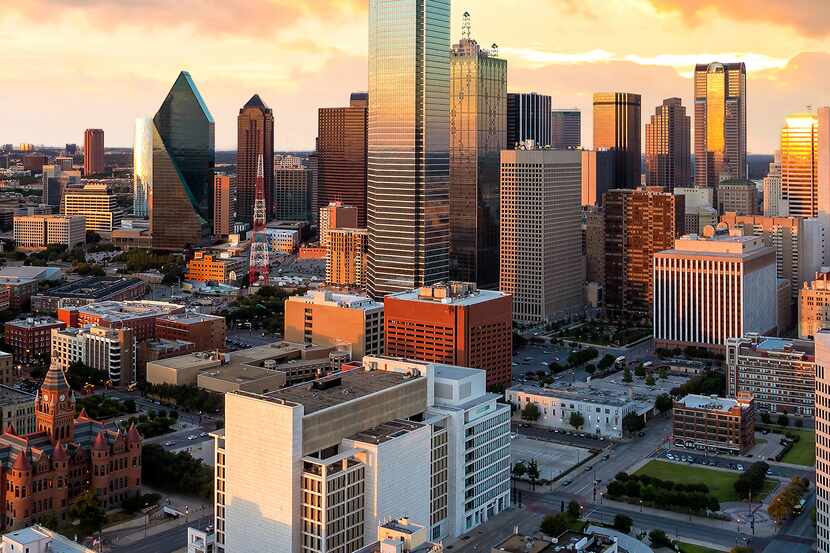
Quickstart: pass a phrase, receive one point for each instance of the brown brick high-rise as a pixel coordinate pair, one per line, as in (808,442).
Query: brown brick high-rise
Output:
(341,147)
(255,137)
(455,324)
(93,152)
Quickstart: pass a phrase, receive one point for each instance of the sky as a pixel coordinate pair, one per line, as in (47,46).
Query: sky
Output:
(76,64)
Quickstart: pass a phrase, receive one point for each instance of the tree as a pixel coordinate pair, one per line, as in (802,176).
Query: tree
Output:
(663,372)
(650,380)
(576,420)
(627,375)
(623,523)
(519,469)
(633,422)
(765,418)
(741,549)
(659,539)
(751,481)
(49,520)
(531,412)
(606,362)
(574,509)
(799,423)
(533,473)
(783,420)
(91,516)
(554,525)
(130,407)
(590,368)
(640,371)
(663,403)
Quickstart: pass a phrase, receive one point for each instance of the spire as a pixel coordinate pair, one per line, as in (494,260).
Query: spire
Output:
(82,416)
(466,26)
(10,430)
(133,435)
(255,102)
(59,454)
(55,380)
(21,463)
(100,441)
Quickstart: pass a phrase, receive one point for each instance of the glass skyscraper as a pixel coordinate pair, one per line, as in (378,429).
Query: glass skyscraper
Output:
(617,128)
(720,123)
(799,165)
(181,197)
(528,118)
(408,142)
(478,122)
(142,165)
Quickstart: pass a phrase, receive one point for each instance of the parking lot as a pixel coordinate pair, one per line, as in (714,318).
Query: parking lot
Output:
(553,458)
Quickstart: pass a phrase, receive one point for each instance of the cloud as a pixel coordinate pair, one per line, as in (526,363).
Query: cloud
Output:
(811,17)
(209,17)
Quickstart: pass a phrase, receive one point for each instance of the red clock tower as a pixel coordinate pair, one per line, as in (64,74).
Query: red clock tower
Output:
(55,407)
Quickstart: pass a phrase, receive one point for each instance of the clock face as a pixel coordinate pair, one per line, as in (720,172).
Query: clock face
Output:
(63,397)
(45,397)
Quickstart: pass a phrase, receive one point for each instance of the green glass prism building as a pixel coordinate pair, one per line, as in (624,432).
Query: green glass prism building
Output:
(408,144)
(180,201)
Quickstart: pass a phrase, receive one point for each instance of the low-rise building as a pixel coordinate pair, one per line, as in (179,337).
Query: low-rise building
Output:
(8,377)
(109,350)
(18,284)
(779,373)
(31,338)
(140,316)
(569,541)
(39,539)
(201,541)
(714,423)
(602,412)
(327,318)
(37,232)
(88,290)
(346,257)
(97,203)
(222,268)
(207,332)
(283,240)
(17,410)
(814,305)
(401,536)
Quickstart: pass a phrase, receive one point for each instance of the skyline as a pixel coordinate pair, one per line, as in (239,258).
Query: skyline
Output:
(108,63)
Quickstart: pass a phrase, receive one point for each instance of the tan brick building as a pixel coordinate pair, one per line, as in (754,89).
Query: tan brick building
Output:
(347,256)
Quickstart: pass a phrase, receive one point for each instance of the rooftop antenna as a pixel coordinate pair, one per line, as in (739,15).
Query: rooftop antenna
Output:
(494,50)
(466,26)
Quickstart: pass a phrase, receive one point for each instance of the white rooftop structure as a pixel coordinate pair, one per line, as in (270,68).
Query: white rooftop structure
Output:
(694,401)
(337,299)
(37,539)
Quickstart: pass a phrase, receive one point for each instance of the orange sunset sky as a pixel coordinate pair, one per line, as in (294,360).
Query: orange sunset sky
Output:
(73,64)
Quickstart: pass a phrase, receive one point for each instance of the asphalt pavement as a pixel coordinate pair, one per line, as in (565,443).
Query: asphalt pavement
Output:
(163,542)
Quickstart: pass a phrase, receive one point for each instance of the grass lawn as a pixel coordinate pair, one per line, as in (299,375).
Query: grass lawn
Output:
(804,450)
(721,483)
(692,548)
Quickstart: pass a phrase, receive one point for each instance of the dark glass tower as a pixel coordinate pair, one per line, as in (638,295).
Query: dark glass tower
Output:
(181,199)
(528,118)
(408,159)
(255,137)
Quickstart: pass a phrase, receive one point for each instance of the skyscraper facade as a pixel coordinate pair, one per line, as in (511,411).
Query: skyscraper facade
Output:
(341,151)
(617,128)
(774,205)
(223,205)
(799,165)
(668,146)
(565,129)
(720,122)
(181,197)
(541,261)
(528,118)
(822,441)
(478,120)
(254,138)
(823,115)
(408,160)
(93,152)
(142,165)
(292,190)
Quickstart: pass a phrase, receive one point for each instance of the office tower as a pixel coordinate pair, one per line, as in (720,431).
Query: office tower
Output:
(720,122)
(292,190)
(617,128)
(594,244)
(64,163)
(799,165)
(822,441)
(97,203)
(408,174)
(823,115)
(70,150)
(142,165)
(224,208)
(312,162)
(93,152)
(597,175)
(753,362)
(798,246)
(181,198)
(709,289)
(254,137)
(814,305)
(55,183)
(541,263)
(774,205)
(336,215)
(528,118)
(565,129)
(37,232)
(454,323)
(737,196)
(341,454)
(638,224)
(698,208)
(326,318)
(341,155)
(478,119)
(668,146)
(346,257)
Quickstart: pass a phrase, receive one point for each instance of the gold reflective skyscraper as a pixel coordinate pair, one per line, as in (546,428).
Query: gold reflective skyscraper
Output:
(799,165)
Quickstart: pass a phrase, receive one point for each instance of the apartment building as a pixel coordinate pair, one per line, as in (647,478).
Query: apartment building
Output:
(206,332)
(780,374)
(336,215)
(97,203)
(709,289)
(346,257)
(327,318)
(222,268)
(715,423)
(453,323)
(30,338)
(344,454)
(37,232)
(112,351)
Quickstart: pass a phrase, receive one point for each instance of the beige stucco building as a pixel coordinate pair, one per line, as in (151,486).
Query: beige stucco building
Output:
(814,305)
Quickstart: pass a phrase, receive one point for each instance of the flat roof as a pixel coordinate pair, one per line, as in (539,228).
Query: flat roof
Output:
(587,395)
(239,373)
(470,296)
(336,299)
(127,310)
(92,287)
(352,385)
(517,543)
(453,372)
(695,401)
(386,431)
(35,322)
(191,317)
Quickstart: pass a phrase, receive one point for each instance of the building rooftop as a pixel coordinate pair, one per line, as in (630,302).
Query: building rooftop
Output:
(190,317)
(35,322)
(765,346)
(336,299)
(127,310)
(452,293)
(517,543)
(93,287)
(711,403)
(339,388)
(37,535)
(28,273)
(386,431)
(586,395)
(10,396)
(720,243)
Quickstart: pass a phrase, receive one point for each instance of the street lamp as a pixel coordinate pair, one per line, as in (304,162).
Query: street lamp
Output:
(641,505)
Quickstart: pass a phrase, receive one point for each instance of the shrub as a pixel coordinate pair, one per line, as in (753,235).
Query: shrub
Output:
(623,523)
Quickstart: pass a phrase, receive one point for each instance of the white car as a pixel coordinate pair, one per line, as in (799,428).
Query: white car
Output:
(191,437)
